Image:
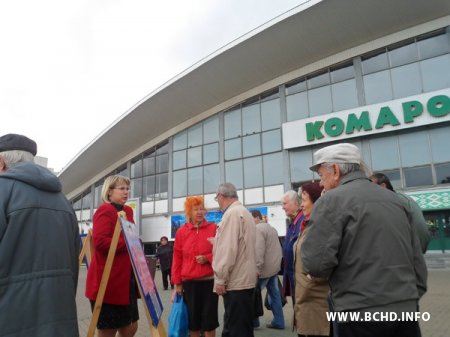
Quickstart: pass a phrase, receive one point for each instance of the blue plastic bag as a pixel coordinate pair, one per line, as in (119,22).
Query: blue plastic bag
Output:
(178,318)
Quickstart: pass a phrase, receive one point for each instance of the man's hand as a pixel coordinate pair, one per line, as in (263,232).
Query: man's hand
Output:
(220,289)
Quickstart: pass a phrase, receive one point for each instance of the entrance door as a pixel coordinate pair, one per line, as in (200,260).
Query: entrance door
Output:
(439,227)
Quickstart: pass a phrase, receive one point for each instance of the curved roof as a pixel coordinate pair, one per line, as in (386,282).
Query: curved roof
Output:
(302,36)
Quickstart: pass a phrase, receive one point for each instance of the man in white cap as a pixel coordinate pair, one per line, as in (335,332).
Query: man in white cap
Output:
(362,240)
(39,247)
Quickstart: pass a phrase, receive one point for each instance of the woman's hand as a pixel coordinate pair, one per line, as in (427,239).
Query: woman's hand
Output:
(178,290)
(201,259)
(172,297)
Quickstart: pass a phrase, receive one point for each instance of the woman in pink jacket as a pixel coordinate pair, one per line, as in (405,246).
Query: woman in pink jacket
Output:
(192,271)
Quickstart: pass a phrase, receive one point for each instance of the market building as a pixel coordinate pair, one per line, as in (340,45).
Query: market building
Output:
(372,73)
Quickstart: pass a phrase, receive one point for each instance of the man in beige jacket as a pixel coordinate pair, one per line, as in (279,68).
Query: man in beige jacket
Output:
(234,263)
(268,262)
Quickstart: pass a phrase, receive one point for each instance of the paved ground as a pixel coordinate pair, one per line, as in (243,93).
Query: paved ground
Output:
(436,301)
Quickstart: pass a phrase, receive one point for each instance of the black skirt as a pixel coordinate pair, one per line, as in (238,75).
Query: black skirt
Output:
(113,316)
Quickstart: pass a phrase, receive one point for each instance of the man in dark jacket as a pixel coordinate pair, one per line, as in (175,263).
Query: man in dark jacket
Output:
(361,239)
(39,247)
(418,221)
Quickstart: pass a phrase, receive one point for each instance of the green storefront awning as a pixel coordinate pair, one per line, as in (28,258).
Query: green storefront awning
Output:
(432,200)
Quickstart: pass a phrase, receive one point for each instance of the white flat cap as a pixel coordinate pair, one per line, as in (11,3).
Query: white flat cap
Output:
(339,153)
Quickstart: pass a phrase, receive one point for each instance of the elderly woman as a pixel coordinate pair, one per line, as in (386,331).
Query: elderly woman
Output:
(119,313)
(192,271)
(311,294)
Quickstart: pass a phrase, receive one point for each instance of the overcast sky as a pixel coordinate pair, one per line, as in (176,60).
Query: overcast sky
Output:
(69,69)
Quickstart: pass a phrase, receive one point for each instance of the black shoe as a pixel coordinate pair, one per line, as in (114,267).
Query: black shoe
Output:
(165,288)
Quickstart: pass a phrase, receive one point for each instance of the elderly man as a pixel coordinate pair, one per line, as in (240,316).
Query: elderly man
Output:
(268,259)
(39,247)
(291,206)
(234,263)
(361,238)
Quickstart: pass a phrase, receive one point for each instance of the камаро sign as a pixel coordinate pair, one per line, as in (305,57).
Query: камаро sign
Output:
(409,112)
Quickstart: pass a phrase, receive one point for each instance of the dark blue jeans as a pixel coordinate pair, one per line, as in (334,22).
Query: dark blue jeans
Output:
(273,291)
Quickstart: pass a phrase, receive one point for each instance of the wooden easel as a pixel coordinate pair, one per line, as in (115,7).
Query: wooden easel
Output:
(160,330)
(87,249)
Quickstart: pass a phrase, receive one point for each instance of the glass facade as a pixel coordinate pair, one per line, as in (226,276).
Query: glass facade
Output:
(243,144)
(150,175)
(323,93)
(410,68)
(252,132)
(195,159)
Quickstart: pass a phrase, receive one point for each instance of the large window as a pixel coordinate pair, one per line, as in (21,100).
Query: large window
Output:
(406,69)
(322,93)
(414,148)
(440,141)
(82,206)
(196,156)
(384,151)
(98,193)
(149,174)
(299,164)
(253,154)
(413,158)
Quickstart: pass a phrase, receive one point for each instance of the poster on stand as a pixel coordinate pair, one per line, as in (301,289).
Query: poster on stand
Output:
(144,279)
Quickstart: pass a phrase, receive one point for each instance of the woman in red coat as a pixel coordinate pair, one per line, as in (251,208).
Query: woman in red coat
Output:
(119,311)
(192,271)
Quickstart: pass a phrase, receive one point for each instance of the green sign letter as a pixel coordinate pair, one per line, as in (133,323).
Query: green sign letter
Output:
(313,131)
(334,126)
(353,122)
(386,116)
(411,110)
(439,106)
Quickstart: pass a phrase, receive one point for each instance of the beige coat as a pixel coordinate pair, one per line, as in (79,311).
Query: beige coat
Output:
(268,250)
(311,298)
(234,259)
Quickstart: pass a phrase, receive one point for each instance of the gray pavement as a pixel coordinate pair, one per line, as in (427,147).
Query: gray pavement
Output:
(436,301)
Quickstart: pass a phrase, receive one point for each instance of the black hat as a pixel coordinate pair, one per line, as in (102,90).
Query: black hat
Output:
(12,141)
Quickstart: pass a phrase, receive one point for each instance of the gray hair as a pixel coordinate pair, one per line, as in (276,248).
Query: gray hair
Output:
(228,190)
(347,168)
(293,196)
(16,156)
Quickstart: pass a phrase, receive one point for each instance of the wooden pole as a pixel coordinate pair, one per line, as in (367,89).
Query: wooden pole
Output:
(87,248)
(105,278)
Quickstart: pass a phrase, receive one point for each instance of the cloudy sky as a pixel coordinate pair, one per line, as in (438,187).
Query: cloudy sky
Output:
(69,69)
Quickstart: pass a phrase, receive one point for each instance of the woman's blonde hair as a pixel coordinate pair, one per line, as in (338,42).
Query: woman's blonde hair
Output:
(190,203)
(110,183)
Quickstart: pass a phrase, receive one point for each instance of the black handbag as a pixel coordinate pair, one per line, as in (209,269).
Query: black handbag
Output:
(258,304)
